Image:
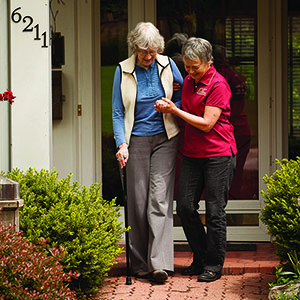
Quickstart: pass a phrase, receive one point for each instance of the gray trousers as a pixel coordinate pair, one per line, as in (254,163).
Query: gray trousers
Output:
(150,185)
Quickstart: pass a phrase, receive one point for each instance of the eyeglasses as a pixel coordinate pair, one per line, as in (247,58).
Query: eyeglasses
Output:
(145,53)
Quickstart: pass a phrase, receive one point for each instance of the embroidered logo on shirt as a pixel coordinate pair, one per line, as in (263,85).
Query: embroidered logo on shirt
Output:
(202,91)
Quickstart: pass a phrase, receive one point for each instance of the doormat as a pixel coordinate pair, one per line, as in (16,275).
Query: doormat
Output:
(241,247)
(184,247)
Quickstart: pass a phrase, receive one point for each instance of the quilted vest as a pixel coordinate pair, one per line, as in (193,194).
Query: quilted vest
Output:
(129,93)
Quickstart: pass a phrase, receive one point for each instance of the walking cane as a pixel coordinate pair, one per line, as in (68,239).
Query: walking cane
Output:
(124,183)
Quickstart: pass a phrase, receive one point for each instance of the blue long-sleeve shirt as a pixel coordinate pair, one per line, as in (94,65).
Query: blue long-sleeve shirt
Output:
(149,89)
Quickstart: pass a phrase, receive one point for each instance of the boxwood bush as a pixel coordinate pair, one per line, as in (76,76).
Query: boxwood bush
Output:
(74,217)
(281,213)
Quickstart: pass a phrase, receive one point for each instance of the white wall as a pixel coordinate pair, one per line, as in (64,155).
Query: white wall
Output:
(4,84)
(31,83)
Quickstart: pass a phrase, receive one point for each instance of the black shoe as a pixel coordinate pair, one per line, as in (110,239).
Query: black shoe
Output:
(209,276)
(192,270)
(160,275)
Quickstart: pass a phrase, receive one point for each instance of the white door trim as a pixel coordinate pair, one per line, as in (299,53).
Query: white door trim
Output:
(85,129)
(272,86)
(97,89)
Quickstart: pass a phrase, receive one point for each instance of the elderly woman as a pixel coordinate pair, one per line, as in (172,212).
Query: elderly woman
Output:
(147,144)
(209,158)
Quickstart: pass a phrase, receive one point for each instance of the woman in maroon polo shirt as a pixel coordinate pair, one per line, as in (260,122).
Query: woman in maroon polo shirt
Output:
(209,158)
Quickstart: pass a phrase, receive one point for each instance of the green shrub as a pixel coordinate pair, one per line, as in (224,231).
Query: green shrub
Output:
(281,213)
(27,273)
(74,217)
(290,272)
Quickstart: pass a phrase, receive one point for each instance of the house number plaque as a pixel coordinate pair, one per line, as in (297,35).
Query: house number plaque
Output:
(29,26)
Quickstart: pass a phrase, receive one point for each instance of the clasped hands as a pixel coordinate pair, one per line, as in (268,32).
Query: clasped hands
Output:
(164,105)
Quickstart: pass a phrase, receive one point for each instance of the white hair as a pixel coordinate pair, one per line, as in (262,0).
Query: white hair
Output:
(144,36)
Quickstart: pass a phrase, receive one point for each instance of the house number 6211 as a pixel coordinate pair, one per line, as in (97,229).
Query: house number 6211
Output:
(16,17)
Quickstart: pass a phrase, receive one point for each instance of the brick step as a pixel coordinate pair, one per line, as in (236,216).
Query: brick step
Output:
(240,258)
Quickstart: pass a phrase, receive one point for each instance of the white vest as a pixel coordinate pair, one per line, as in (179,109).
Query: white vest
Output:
(129,93)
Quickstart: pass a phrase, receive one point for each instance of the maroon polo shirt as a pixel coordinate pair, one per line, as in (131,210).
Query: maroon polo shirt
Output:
(212,90)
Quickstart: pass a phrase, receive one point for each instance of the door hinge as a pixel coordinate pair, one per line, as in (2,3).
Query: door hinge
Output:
(271,160)
(79,110)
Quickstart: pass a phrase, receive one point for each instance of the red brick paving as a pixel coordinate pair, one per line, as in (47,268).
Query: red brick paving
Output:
(246,274)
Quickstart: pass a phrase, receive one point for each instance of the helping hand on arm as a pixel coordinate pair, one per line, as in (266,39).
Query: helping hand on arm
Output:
(205,123)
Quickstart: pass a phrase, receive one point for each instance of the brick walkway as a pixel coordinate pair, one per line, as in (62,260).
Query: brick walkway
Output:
(246,274)
(251,286)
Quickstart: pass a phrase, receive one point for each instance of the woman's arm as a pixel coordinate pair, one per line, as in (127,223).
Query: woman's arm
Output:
(118,120)
(118,110)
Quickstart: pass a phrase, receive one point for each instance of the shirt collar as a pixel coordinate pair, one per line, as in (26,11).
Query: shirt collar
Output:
(150,66)
(208,76)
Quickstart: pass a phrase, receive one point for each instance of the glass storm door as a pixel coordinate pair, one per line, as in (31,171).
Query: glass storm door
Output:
(231,27)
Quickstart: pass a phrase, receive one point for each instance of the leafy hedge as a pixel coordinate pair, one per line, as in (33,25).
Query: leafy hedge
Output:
(281,213)
(26,272)
(74,217)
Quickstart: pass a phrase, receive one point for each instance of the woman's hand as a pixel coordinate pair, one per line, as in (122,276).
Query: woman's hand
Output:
(165,106)
(122,155)
(176,86)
